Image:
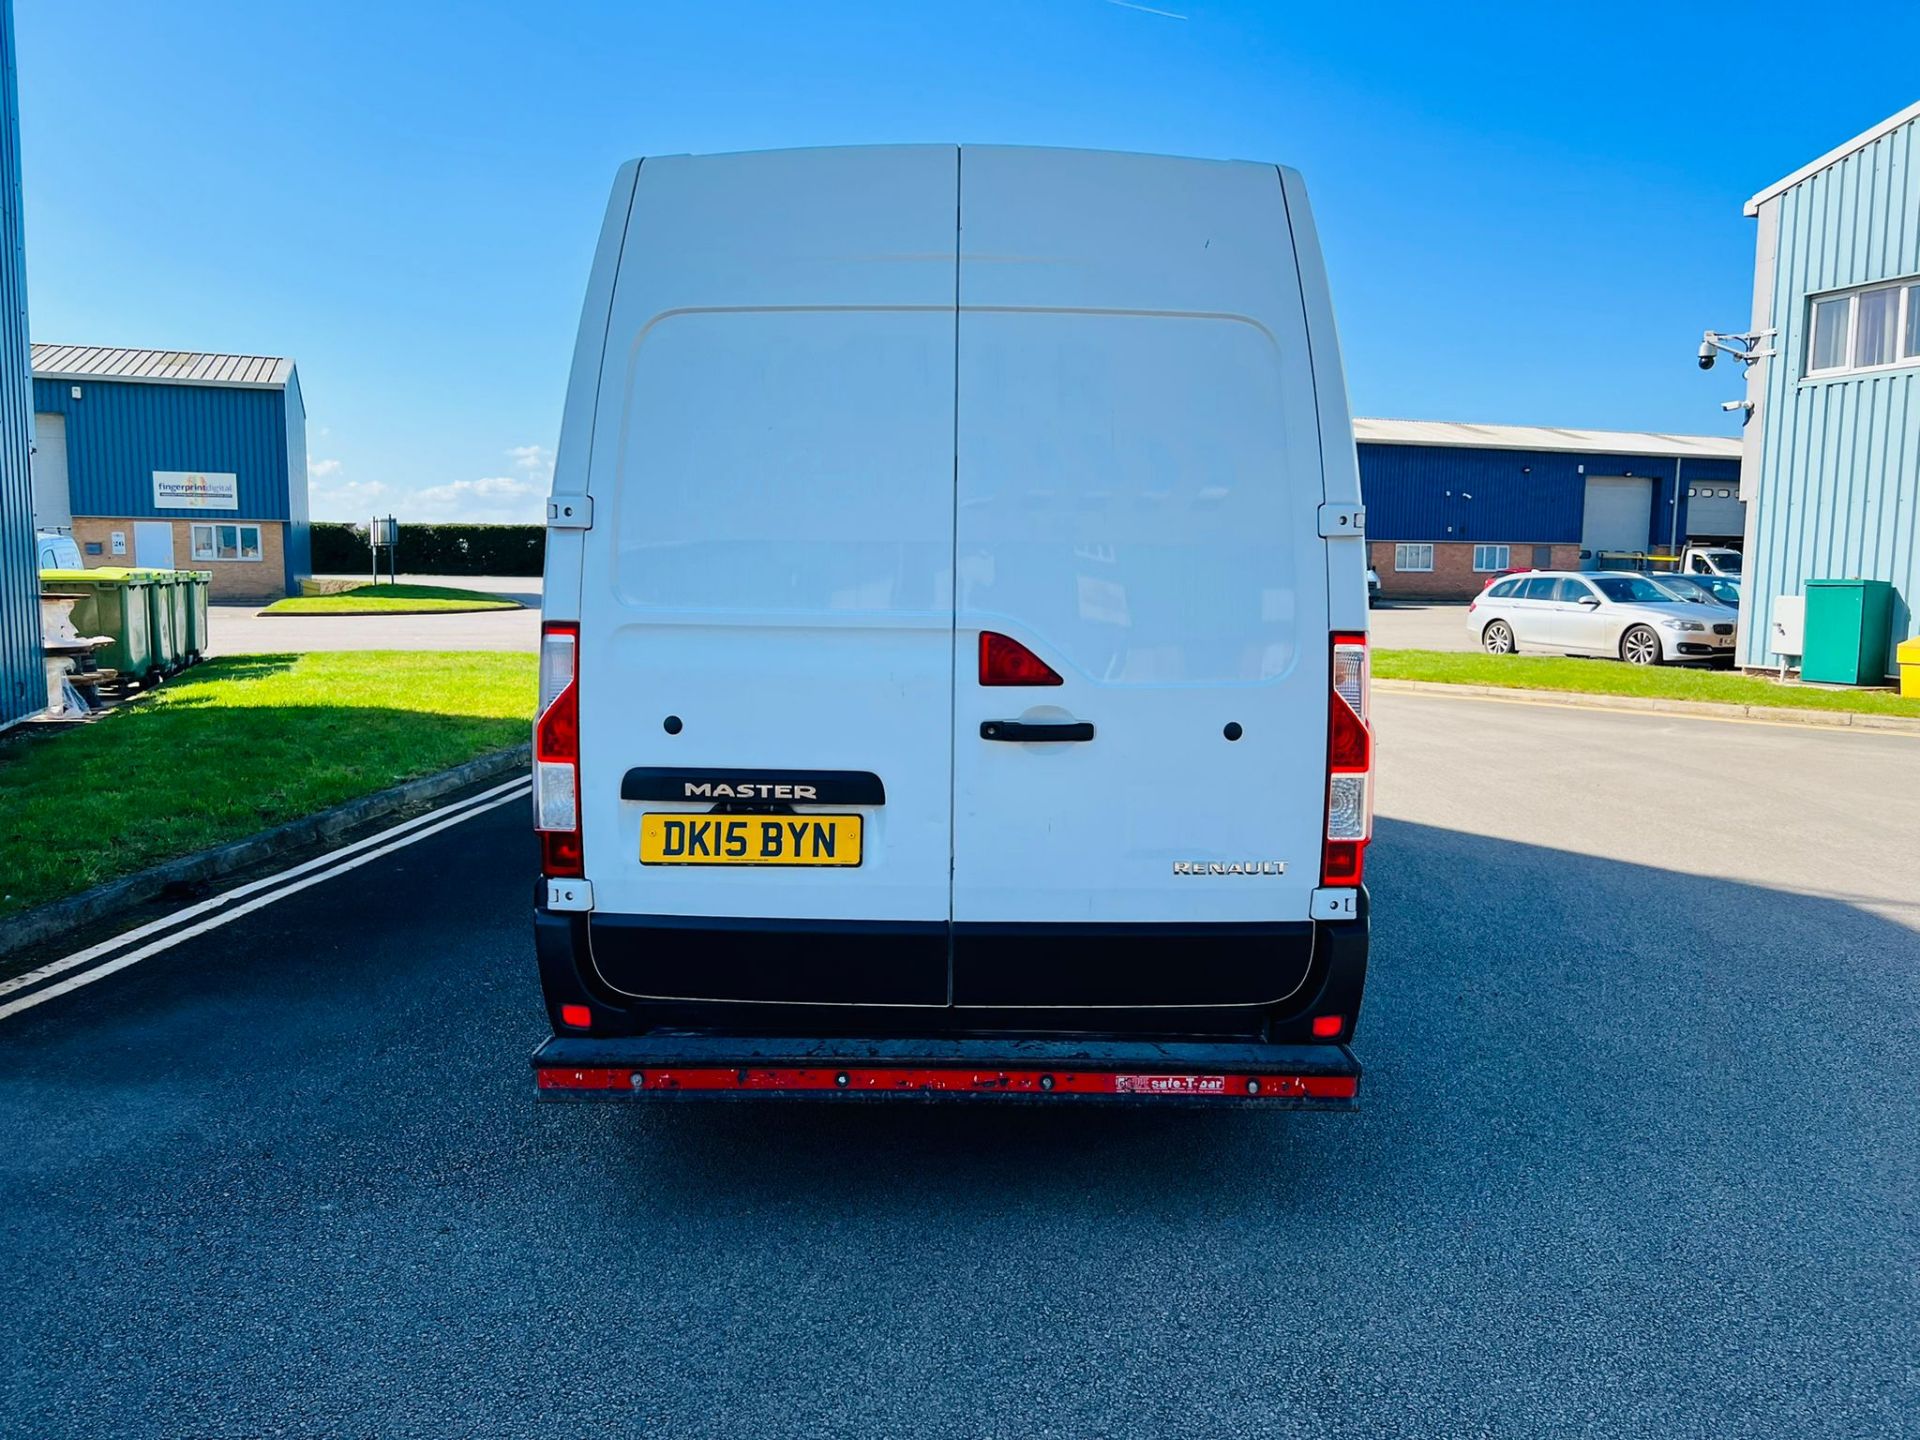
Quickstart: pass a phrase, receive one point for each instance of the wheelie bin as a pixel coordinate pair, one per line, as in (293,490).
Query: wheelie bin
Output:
(166,619)
(194,585)
(116,603)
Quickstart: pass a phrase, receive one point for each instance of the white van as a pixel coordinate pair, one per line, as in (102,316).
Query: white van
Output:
(954,650)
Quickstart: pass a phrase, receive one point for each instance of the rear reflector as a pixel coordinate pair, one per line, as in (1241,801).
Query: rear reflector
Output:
(890,1080)
(1341,864)
(1328,1025)
(1005,661)
(578,1016)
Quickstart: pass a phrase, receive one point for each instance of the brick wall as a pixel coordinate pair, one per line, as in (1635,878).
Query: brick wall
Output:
(234,581)
(1453,575)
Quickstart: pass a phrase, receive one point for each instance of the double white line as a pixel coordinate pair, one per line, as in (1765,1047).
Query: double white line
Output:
(96,962)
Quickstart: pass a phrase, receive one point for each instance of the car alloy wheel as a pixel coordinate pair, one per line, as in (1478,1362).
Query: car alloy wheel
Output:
(1640,647)
(1498,639)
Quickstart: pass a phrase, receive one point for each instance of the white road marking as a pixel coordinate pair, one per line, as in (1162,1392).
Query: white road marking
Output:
(420,827)
(167,922)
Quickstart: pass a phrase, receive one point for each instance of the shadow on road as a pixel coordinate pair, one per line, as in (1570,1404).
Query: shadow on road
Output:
(1636,1156)
(1542,1029)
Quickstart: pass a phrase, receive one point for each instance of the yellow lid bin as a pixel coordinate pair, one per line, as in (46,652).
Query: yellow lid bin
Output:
(1907,652)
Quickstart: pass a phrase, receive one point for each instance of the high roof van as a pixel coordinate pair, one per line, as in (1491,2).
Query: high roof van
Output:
(954,660)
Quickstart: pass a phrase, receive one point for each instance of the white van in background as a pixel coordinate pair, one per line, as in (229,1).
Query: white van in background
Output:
(954,654)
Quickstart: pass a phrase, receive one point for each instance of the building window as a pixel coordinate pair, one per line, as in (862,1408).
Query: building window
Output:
(1866,329)
(1412,557)
(1490,557)
(226,542)
(1543,557)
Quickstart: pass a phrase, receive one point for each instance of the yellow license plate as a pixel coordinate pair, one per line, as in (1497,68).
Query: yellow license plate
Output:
(750,839)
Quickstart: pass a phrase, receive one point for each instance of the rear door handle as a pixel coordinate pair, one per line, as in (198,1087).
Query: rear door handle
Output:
(1036,730)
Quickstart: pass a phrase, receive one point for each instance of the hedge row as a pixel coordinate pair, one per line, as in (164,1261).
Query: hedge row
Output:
(341,549)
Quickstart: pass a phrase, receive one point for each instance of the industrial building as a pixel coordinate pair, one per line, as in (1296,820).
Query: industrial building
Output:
(1449,504)
(23,685)
(169,458)
(1832,480)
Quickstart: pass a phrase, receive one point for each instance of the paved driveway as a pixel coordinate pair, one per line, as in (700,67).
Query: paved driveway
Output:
(1421,625)
(1638,1157)
(243,630)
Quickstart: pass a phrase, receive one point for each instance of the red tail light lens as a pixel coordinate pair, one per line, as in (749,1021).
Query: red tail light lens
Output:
(1005,661)
(556,751)
(1349,765)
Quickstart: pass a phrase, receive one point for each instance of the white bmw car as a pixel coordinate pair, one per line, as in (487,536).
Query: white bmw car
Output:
(1618,614)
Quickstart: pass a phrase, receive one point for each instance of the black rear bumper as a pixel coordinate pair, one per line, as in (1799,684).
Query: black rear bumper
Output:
(1189,1037)
(1083,1070)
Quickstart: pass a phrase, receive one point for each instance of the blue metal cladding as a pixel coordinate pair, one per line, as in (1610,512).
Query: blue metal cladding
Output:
(299,537)
(120,432)
(1453,492)
(23,684)
(1837,494)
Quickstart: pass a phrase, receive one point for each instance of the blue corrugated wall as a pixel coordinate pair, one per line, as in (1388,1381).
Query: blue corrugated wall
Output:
(1837,494)
(23,685)
(1421,492)
(120,432)
(299,543)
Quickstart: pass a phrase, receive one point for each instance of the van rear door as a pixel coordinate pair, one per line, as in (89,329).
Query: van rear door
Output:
(766,598)
(1139,481)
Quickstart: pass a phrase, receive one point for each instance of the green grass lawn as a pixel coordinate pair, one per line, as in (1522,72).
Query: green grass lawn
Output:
(236,746)
(390,600)
(1610,677)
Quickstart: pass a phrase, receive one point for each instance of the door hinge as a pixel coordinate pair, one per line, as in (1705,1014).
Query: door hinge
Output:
(1334,903)
(569,512)
(1338,520)
(569,894)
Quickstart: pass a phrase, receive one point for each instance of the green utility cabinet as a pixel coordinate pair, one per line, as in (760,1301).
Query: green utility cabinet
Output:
(194,585)
(116,603)
(1848,628)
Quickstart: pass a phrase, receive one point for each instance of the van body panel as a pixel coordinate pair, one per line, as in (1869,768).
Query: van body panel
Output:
(837,413)
(1138,494)
(1346,557)
(560,586)
(769,561)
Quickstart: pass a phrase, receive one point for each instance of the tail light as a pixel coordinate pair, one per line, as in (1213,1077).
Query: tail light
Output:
(1349,765)
(1005,661)
(556,751)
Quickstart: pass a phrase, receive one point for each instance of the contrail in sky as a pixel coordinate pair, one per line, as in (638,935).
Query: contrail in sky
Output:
(1147,9)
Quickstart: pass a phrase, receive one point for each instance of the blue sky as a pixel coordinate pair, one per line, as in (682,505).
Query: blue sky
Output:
(1529,211)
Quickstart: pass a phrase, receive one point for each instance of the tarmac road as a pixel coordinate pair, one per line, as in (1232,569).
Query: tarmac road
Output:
(1637,1155)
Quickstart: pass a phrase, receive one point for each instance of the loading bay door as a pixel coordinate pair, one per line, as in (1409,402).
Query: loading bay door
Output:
(1619,512)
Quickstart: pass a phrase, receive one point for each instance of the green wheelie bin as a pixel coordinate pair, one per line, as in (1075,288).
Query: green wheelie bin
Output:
(116,603)
(166,619)
(194,585)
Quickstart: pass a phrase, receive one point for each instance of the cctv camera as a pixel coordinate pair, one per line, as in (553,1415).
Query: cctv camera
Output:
(1733,404)
(1707,354)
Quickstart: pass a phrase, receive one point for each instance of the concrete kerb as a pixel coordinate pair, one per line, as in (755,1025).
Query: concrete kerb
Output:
(1709,709)
(267,612)
(45,922)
